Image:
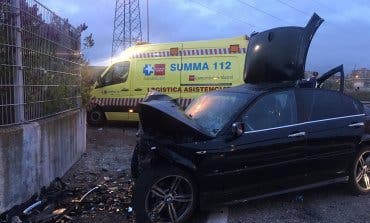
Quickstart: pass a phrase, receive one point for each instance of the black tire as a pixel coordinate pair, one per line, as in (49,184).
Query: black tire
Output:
(96,117)
(143,195)
(360,168)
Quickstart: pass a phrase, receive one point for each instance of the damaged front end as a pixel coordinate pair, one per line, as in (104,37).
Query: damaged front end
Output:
(163,126)
(166,120)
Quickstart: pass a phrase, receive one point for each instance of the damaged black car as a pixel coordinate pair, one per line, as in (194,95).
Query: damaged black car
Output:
(275,134)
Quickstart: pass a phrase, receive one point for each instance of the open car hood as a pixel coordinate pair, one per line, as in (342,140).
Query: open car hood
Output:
(166,118)
(279,54)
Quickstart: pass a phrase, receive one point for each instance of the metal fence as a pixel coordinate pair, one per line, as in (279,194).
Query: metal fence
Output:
(39,62)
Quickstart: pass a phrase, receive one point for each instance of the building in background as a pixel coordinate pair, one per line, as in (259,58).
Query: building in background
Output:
(360,79)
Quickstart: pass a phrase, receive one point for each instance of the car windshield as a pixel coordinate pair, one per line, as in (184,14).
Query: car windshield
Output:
(213,110)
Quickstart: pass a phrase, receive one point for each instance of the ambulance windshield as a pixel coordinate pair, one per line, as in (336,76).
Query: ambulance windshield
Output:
(116,74)
(213,110)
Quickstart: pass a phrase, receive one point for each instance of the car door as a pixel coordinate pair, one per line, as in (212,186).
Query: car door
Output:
(270,154)
(334,125)
(115,91)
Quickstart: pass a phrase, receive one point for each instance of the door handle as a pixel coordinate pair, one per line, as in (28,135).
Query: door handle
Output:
(357,124)
(138,89)
(124,89)
(298,134)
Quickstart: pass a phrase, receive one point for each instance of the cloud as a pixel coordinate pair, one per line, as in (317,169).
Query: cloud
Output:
(354,12)
(61,8)
(343,38)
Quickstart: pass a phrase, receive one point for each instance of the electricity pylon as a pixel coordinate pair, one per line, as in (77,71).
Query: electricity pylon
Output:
(127,25)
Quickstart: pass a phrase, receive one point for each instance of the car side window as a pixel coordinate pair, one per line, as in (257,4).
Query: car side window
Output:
(272,110)
(118,73)
(315,104)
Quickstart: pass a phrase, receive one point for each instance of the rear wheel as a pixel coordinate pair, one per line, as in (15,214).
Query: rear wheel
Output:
(164,195)
(96,117)
(360,173)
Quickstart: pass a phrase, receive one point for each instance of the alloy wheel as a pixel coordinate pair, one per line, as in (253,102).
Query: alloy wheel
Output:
(363,171)
(170,199)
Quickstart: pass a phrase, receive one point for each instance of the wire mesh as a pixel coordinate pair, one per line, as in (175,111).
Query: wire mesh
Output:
(39,62)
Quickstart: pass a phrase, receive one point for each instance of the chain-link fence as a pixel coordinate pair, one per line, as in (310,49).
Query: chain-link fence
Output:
(39,62)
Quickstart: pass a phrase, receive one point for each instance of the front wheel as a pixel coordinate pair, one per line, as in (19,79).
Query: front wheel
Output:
(360,172)
(164,195)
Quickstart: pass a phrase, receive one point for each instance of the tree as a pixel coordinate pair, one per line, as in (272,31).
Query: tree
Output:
(87,80)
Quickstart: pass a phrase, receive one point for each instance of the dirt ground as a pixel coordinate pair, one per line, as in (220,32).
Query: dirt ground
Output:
(105,165)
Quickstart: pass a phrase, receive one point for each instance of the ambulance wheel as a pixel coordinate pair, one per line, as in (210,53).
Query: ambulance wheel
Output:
(96,117)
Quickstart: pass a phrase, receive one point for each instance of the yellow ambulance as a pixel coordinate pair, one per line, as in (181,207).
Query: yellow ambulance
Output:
(182,70)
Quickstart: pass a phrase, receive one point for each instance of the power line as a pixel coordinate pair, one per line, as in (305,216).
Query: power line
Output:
(292,7)
(221,13)
(325,6)
(262,11)
(307,13)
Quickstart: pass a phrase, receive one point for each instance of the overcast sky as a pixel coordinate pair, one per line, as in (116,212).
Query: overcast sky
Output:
(344,37)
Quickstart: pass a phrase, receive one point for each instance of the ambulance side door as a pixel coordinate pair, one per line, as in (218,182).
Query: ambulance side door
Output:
(153,70)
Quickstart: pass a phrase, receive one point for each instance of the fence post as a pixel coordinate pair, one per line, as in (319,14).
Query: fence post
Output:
(18,74)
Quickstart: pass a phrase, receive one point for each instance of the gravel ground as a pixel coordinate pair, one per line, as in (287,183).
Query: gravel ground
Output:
(328,204)
(105,163)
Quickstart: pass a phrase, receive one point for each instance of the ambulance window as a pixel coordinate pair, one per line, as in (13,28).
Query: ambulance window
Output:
(118,73)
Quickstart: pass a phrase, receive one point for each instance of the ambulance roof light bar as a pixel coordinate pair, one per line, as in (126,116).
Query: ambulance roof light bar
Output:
(174,51)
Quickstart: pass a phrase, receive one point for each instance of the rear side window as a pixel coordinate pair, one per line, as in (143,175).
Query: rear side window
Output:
(315,104)
(271,110)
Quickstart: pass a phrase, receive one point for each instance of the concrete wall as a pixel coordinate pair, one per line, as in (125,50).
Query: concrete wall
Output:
(34,154)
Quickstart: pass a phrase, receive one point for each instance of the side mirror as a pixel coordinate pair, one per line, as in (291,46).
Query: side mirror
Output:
(237,129)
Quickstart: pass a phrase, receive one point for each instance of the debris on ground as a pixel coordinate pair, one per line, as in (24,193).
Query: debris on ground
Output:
(129,209)
(299,198)
(96,189)
(62,203)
